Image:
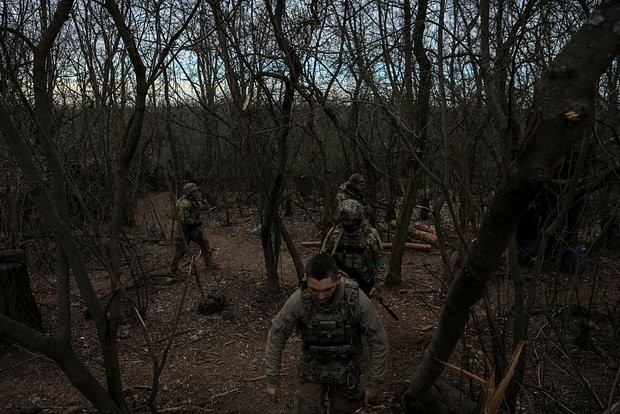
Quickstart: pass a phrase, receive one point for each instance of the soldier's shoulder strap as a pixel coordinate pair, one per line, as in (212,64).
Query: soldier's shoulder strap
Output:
(306,296)
(351,292)
(335,234)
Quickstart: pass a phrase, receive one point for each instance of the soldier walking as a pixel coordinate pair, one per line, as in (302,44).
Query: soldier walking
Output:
(355,189)
(190,229)
(356,247)
(332,314)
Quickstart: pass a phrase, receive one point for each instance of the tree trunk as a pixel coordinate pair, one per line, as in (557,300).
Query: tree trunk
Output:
(16,298)
(271,214)
(292,251)
(402,232)
(563,109)
(421,124)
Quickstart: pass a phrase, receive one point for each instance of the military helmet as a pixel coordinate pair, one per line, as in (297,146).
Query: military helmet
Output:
(189,188)
(350,210)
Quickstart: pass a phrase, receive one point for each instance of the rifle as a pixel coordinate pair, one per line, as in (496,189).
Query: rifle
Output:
(364,286)
(386,307)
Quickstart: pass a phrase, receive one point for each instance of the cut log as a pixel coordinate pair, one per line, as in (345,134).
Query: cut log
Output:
(420,247)
(417,225)
(424,236)
(416,233)
(16,298)
(424,227)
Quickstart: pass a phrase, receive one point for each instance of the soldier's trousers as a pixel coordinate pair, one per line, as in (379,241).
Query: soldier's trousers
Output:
(190,234)
(341,400)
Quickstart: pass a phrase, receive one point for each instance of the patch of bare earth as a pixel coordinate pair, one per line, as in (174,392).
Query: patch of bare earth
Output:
(216,361)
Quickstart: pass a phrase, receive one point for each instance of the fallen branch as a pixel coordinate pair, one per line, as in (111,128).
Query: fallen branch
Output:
(188,408)
(231,391)
(414,291)
(21,363)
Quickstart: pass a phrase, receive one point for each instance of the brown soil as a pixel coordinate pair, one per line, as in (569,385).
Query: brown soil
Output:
(216,361)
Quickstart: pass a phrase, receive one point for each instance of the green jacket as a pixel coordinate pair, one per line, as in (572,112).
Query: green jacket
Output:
(292,316)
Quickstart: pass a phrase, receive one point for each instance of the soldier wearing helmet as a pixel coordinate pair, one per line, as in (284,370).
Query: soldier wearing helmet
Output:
(356,246)
(190,229)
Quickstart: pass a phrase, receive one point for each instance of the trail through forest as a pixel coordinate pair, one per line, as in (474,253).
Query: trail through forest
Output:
(216,361)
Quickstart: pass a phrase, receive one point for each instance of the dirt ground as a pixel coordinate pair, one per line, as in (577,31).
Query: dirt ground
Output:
(216,361)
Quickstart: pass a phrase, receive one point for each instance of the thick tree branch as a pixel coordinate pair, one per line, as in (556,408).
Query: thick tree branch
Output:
(564,102)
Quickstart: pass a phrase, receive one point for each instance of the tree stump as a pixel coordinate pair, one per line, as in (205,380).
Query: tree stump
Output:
(16,298)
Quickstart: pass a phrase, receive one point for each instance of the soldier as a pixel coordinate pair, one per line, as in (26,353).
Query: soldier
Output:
(356,246)
(331,314)
(354,189)
(190,229)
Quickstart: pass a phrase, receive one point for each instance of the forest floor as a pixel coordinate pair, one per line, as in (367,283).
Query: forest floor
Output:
(215,364)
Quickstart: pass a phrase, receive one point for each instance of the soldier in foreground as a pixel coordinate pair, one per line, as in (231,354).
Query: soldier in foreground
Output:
(190,229)
(331,314)
(356,247)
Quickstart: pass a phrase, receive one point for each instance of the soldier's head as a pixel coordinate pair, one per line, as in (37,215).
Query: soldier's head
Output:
(358,182)
(322,277)
(191,190)
(350,214)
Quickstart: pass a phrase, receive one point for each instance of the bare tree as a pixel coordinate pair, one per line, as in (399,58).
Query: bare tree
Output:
(419,124)
(564,110)
(53,204)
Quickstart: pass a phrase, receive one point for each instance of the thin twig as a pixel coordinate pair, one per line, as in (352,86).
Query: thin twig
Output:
(20,364)
(613,389)
(231,391)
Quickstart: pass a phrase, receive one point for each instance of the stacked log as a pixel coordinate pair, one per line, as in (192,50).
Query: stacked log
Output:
(417,231)
(420,231)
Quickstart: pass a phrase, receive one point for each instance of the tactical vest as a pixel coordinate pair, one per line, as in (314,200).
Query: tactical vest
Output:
(354,254)
(191,208)
(331,339)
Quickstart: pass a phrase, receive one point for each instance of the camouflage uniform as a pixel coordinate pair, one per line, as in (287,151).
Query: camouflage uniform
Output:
(349,191)
(190,229)
(358,253)
(332,347)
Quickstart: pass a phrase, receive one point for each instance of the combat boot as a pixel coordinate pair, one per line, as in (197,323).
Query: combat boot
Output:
(208,258)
